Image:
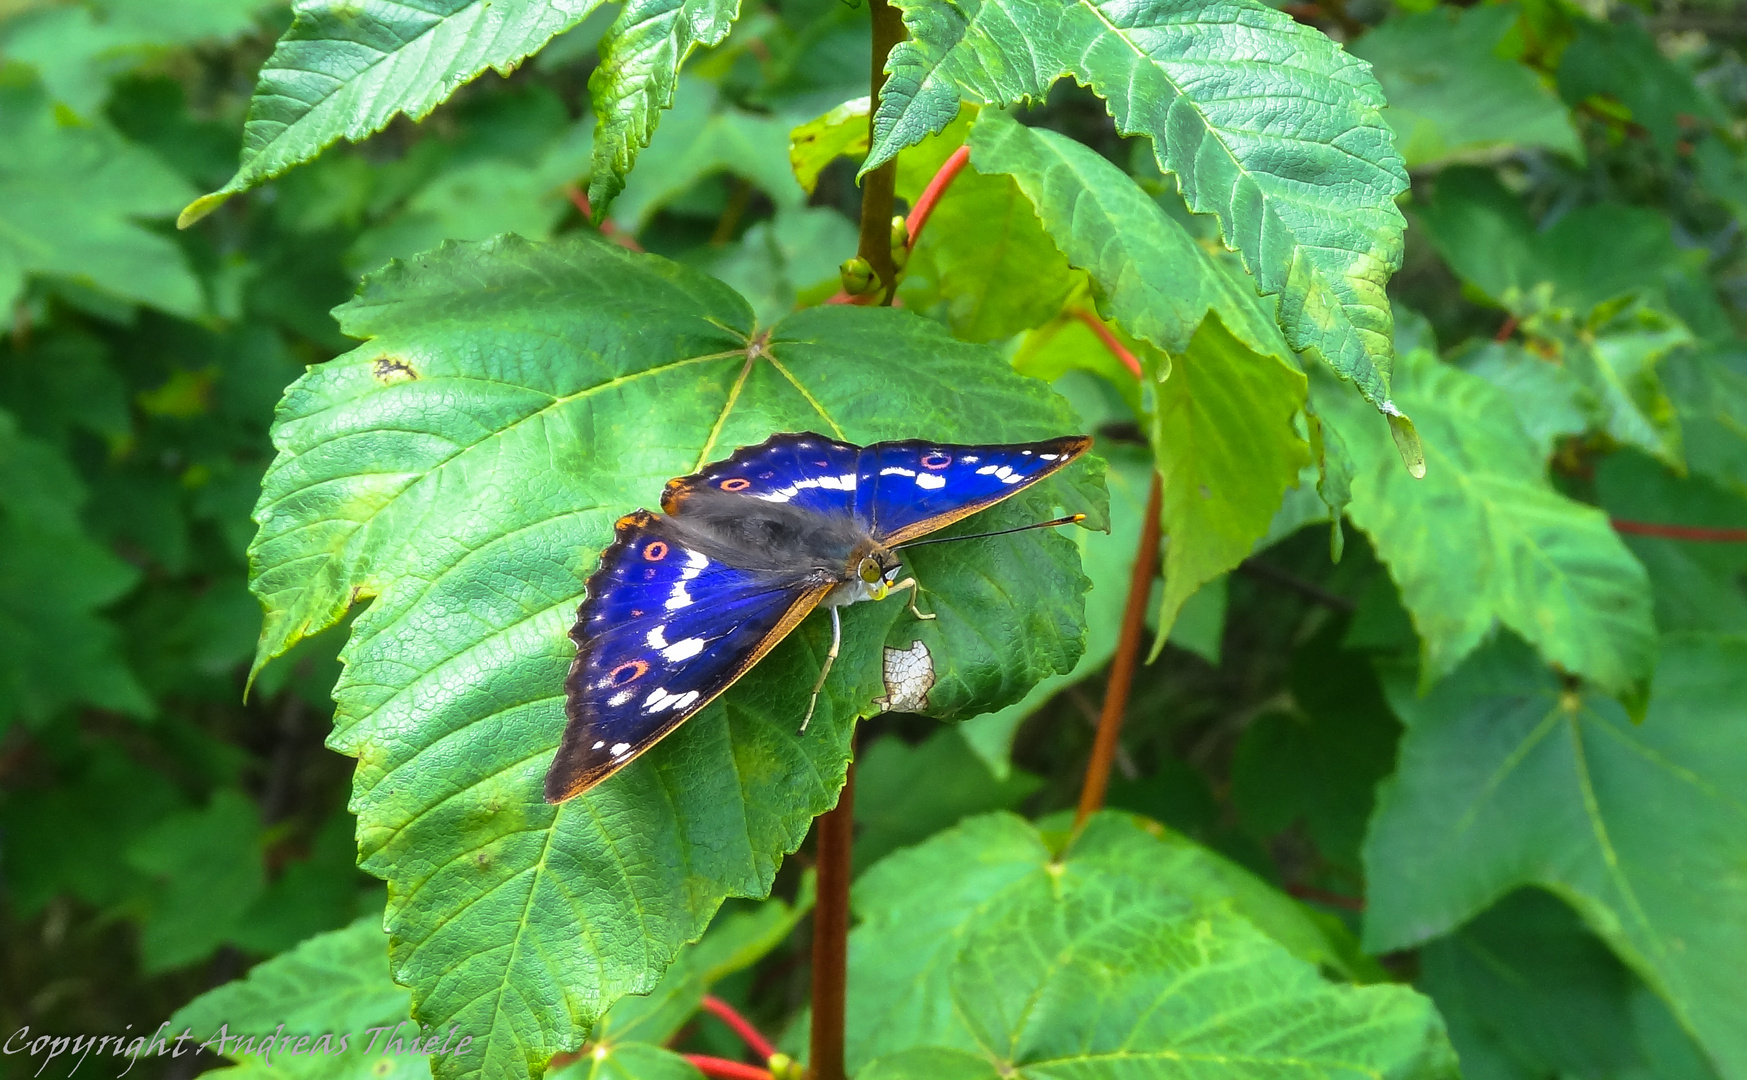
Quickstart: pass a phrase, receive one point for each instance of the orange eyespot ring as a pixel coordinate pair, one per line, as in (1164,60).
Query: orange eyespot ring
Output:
(655,552)
(737,483)
(935,460)
(637,669)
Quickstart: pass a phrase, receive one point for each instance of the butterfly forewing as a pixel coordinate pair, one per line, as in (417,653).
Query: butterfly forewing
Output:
(801,469)
(665,629)
(910,488)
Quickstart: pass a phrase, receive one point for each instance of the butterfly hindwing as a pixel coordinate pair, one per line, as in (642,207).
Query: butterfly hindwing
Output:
(909,488)
(664,630)
(801,469)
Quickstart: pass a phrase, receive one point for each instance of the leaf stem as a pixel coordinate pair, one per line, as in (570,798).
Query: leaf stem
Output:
(1146,563)
(742,1027)
(931,194)
(724,1069)
(831,934)
(1117,348)
(877,187)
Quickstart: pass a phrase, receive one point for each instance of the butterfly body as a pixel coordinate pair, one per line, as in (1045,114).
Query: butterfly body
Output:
(687,601)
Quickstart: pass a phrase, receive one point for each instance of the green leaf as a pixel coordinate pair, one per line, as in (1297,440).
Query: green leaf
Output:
(1223,436)
(1697,586)
(1510,777)
(631,1061)
(841,132)
(70,199)
(1452,95)
(1319,760)
(1550,402)
(1621,61)
(1108,559)
(55,650)
(518,422)
(79,49)
(1109,227)
(1709,390)
(778,263)
(1528,992)
(1617,361)
(343,71)
(1112,958)
(337,981)
(209,863)
(1484,541)
(479,200)
(1230,92)
(905,794)
(701,137)
(1593,254)
(637,77)
(984,260)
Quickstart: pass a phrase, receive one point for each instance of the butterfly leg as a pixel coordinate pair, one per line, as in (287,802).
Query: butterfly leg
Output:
(830,658)
(915,588)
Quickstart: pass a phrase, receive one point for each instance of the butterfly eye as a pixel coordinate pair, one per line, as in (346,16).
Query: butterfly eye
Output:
(655,552)
(737,483)
(936,460)
(869,571)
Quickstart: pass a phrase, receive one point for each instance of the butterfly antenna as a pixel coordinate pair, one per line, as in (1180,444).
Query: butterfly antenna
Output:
(1069,520)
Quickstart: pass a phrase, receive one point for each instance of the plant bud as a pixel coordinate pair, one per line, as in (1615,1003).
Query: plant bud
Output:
(857,275)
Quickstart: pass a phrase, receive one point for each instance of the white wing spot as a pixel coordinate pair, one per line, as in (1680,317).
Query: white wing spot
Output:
(930,481)
(619,748)
(657,638)
(615,701)
(684,650)
(598,745)
(987,469)
(1049,457)
(895,470)
(678,598)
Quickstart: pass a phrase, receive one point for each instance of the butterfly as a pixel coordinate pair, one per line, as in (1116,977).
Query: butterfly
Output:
(687,601)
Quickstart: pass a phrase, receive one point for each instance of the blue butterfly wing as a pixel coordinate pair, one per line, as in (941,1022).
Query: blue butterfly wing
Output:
(663,631)
(801,469)
(909,488)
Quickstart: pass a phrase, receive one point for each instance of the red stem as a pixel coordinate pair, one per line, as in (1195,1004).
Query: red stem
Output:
(1117,349)
(1506,330)
(1681,532)
(836,832)
(1323,896)
(943,178)
(727,1070)
(579,199)
(1146,564)
(742,1026)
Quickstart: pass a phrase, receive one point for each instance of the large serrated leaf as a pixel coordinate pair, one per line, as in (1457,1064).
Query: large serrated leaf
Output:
(1509,777)
(1266,123)
(345,70)
(465,467)
(638,74)
(1132,953)
(1484,540)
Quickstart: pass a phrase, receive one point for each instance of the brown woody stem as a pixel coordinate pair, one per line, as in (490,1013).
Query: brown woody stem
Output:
(1146,563)
(836,829)
(877,187)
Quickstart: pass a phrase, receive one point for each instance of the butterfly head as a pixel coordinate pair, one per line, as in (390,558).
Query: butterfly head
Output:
(876,572)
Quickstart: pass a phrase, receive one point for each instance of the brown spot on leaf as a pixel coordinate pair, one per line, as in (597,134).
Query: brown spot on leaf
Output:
(391,369)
